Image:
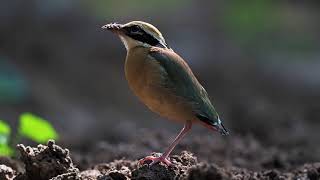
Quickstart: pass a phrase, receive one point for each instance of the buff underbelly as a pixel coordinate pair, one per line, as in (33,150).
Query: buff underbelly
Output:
(146,78)
(165,104)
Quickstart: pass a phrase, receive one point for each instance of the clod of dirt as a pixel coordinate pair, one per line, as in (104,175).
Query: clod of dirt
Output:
(6,173)
(45,162)
(90,174)
(271,174)
(68,176)
(178,170)
(311,171)
(157,171)
(117,170)
(205,171)
(126,169)
(17,166)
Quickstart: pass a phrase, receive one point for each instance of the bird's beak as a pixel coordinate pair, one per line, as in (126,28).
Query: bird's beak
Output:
(114,27)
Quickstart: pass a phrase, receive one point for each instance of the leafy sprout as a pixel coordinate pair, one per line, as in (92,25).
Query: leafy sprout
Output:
(36,128)
(31,127)
(5,130)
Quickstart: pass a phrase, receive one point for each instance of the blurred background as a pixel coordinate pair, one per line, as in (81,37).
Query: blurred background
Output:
(259,61)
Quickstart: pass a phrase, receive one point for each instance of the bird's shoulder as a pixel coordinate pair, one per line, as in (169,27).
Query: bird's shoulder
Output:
(179,78)
(176,69)
(171,61)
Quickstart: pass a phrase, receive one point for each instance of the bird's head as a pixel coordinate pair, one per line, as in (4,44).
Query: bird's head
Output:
(137,33)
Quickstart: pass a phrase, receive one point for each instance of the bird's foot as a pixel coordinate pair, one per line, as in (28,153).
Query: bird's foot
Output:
(151,160)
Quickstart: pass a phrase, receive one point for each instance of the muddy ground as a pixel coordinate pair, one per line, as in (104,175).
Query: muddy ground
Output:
(230,158)
(271,108)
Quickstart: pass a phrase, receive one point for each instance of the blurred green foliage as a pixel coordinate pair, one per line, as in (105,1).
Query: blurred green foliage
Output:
(31,127)
(249,18)
(113,8)
(5,131)
(13,87)
(36,128)
(265,26)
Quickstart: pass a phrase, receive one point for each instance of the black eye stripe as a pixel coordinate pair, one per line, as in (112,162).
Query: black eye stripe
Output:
(146,38)
(137,33)
(133,29)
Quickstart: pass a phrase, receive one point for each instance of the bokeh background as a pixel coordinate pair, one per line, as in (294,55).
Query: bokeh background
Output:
(258,59)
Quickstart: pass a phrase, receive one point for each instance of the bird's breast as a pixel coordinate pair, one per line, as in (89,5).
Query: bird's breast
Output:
(146,79)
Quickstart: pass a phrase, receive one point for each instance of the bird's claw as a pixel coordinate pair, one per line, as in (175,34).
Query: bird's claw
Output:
(154,160)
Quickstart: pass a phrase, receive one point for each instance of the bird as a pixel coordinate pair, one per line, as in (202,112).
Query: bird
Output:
(164,82)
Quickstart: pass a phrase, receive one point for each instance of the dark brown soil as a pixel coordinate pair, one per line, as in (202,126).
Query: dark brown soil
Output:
(46,162)
(53,162)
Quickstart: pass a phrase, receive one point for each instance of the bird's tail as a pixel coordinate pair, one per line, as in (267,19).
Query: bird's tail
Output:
(222,130)
(214,124)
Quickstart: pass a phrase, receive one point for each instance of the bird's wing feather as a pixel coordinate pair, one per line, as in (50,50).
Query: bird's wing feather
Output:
(180,80)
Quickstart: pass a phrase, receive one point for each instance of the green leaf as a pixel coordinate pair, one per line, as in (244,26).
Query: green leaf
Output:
(5,131)
(6,150)
(36,128)
(4,128)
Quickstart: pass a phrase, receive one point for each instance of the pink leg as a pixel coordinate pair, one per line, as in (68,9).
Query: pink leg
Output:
(164,157)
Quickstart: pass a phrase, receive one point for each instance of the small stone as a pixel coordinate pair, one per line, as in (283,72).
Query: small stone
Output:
(6,173)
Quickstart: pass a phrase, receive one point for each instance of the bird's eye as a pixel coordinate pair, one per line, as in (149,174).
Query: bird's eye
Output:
(134,29)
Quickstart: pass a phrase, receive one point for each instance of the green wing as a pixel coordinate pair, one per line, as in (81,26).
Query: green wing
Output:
(180,80)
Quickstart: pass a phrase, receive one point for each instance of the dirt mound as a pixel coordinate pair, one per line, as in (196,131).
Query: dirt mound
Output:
(46,162)
(53,162)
